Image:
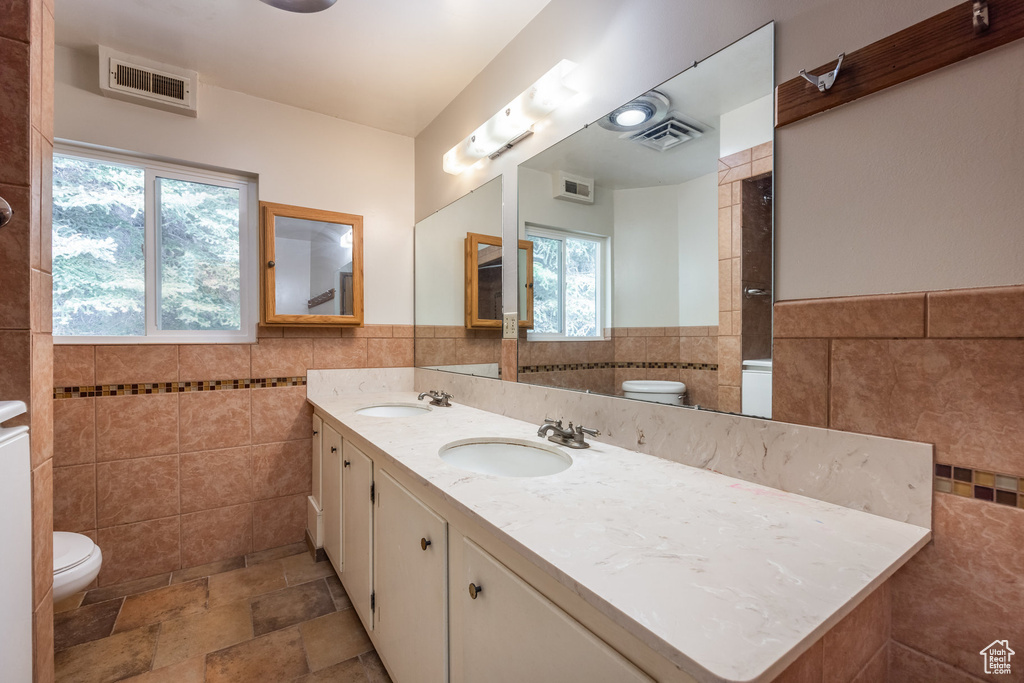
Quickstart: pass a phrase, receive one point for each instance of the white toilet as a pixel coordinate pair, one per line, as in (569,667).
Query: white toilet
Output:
(76,563)
(658,391)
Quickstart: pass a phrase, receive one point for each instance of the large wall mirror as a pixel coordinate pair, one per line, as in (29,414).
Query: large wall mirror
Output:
(457,249)
(652,233)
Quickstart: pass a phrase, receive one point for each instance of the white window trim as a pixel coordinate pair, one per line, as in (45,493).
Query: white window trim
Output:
(247,249)
(603,249)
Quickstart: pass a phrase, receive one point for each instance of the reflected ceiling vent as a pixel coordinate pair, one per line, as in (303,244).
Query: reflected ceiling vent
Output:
(573,188)
(670,133)
(152,84)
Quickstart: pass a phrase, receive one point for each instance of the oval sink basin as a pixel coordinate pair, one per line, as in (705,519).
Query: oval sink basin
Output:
(393,410)
(505,457)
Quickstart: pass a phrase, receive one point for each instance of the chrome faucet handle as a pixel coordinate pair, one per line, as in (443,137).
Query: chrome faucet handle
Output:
(549,421)
(586,430)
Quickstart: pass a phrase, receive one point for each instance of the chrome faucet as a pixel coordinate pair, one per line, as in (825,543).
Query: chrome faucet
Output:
(437,398)
(571,437)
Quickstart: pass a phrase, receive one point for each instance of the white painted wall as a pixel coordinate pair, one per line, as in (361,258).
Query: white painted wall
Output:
(914,188)
(537,205)
(441,253)
(301,158)
(698,251)
(645,257)
(292,256)
(747,126)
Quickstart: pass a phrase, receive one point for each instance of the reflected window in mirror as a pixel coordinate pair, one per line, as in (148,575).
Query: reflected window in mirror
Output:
(312,266)
(567,284)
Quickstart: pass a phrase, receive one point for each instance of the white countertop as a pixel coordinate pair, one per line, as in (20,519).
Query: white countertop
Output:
(729,580)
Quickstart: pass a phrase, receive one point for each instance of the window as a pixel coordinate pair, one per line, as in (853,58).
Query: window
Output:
(567,284)
(146,251)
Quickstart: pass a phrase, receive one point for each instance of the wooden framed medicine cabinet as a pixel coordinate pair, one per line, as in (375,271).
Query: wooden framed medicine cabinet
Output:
(311,266)
(483,282)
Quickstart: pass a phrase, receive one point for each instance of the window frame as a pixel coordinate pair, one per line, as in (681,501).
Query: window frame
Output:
(247,247)
(561,235)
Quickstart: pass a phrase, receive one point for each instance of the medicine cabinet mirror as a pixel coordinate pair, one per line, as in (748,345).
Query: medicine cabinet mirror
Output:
(312,266)
(483,282)
(652,232)
(453,247)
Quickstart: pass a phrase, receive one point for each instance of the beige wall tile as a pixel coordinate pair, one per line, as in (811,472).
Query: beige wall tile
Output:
(339,353)
(367,331)
(988,312)
(725,232)
(136,490)
(42,530)
(800,381)
(278,521)
(808,668)
(136,426)
(73,365)
(729,399)
(730,361)
(389,353)
(311,332)
(282,469)
(218,478)
(133,551)
(737,159)
(281,357)
(894,315)
(852,643)
(214,419)
(218,534)
(280,414)
(136,364)
(473,351)
(725,285)
(430,351)
(907,665)
(200,362)
(15,80)
(15,257)
(74,505)
(42,640)
(74,431)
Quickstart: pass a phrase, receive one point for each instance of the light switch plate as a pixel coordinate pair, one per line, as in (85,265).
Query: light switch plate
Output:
(510,328)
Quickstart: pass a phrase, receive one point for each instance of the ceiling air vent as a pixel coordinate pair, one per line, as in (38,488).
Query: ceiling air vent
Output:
(668,134)
(138,80)
(573,188)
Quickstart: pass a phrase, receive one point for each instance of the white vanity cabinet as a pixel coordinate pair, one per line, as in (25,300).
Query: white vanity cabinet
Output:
(504,631)
(314,505)
(410,550)
(357,496)
(332,496)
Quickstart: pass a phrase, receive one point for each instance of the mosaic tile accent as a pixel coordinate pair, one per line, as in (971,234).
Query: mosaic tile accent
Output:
(615,365)
(1002,489)
(176,387)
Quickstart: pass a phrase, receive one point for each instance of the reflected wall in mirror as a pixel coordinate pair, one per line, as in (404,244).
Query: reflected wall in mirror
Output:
(445,336)
(652,230)
(312,266)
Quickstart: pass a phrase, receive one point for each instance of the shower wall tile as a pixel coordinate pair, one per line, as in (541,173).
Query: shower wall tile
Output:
(74,432)
(201,362)
(136,363)
(214,419)
(136,426)
(74,366)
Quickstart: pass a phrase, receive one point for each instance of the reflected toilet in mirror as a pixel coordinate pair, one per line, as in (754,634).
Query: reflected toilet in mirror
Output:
(652,233)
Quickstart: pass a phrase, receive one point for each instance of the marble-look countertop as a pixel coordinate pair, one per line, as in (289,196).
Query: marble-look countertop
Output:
(729,580)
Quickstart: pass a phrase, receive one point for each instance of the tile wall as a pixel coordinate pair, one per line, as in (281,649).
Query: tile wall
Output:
(26,131)
(177,456)
(947,368)
(455,345)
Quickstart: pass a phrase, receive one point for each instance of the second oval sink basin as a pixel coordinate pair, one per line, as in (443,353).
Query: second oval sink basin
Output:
(505,457)
(393,410)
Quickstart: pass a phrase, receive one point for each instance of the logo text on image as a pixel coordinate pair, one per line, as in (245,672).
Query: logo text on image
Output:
(997,657)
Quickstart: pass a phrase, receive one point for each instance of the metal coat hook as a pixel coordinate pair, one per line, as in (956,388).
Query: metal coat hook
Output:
(824,81)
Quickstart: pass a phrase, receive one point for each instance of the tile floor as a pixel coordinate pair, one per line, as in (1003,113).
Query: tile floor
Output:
(272,617)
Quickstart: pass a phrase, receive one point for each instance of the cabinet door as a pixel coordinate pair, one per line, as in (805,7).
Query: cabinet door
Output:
(331,498)
(410,584)
(318,434)
(357,531)
(511,633)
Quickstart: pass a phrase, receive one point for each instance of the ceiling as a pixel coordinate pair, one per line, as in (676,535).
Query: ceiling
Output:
(727,80)
(389,64)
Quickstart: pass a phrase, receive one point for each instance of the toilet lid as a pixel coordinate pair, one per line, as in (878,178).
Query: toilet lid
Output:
(70,550)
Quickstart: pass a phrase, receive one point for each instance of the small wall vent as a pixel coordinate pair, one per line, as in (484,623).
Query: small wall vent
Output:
(573,188)
(152,84)
(668,134)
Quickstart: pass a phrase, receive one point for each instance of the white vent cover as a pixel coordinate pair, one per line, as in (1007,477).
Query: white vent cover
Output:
(667,134)
(574,188)
(149,83)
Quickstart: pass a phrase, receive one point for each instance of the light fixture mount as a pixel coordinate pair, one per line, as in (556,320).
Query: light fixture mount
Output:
(300,6)
(648,109)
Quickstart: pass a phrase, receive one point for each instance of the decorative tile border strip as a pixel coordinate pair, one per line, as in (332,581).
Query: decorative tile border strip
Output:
(176,387)
(616,365)
(1003,489)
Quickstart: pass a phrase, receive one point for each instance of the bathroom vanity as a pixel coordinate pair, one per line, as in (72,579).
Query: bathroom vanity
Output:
(622,567)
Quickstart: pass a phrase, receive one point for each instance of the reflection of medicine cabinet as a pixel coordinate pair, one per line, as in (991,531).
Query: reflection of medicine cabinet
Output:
(483,282)
(311,266)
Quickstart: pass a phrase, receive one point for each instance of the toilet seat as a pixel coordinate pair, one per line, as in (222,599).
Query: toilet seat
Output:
(76,563)
(70,550)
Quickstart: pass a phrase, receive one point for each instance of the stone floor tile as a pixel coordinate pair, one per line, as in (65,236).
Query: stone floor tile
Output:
(110,659)
(246,583)
(303,568)
(192,573)
(349,671)
(341,600)
(375,671)
(291,606)
(69,603)
(120,590)
(85,624)
(189,671)
(271,554)
(199,634)
(162,604)
(334,638)
(277,656)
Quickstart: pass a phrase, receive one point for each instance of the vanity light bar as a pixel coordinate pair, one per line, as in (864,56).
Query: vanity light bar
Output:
(514,122)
